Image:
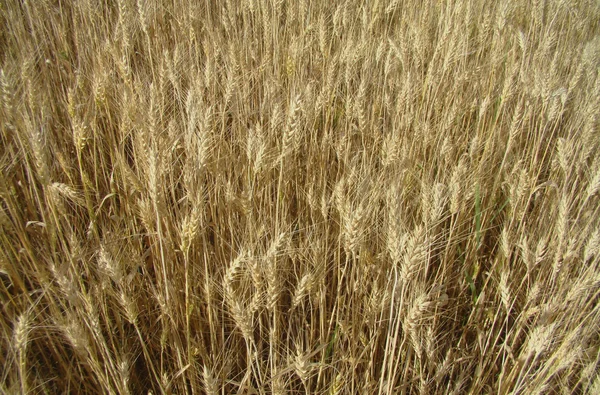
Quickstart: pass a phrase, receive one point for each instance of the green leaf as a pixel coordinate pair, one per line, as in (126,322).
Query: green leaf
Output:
(331,345)
(477,216)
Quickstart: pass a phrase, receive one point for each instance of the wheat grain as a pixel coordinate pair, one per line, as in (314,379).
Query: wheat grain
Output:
(302,289)
(211,385)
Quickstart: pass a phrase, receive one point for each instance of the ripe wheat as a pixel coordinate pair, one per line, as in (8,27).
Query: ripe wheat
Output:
(255,196)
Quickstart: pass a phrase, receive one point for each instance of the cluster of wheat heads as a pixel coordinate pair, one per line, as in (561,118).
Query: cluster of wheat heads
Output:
(272,197)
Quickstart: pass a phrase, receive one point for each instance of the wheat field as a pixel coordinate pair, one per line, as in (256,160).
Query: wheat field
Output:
(312,196)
